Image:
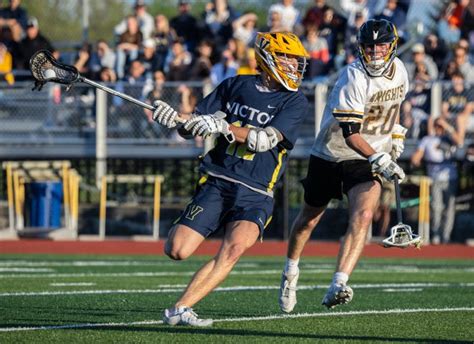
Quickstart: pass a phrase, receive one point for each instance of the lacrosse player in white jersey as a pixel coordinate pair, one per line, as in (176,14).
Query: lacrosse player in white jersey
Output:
(359,140)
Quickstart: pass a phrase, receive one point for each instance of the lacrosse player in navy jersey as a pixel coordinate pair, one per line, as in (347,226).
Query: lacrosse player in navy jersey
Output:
(359,140)
(256,120)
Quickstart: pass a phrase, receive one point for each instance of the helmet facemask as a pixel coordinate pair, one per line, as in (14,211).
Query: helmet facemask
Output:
(287,69)
(377,46)
(282,56)
(374,63)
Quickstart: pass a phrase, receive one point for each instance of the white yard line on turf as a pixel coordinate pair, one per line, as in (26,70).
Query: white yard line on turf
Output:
(101,263)
(241,319)
(101,274)
(82,263)
(305,267)
(79,284)
(234,288)
(402,290)
(26,270)
(237,272)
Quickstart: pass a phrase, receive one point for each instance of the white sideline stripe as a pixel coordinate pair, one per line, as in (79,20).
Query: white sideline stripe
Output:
(236,272)
(402,290)
(26,270)
(235,288)
(304,266)
(263,318)
(102,263)
(351,313)
(80,263)
(308,267)
(172,285)
(99,274)
(80,284)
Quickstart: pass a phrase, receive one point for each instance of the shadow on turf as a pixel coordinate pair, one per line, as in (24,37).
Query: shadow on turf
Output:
(246,333)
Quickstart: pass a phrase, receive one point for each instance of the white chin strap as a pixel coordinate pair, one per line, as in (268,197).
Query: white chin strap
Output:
(376,67)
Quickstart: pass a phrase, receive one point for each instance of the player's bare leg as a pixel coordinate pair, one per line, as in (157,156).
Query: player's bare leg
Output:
(182,242)
(301,230)
(363,199)
(240,235)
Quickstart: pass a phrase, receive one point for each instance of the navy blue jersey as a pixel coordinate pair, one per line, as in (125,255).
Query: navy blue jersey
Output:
(246,106)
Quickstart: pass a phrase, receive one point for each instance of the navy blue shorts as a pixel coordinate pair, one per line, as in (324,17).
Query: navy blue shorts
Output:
(217,202)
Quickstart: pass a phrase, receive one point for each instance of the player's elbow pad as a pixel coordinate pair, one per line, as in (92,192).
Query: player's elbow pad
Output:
(349,128)
(262,139)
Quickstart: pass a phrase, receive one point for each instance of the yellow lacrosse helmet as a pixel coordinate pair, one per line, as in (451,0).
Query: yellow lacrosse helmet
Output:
(282,56)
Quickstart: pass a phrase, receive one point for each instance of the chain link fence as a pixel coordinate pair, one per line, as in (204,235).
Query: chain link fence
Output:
(56,116)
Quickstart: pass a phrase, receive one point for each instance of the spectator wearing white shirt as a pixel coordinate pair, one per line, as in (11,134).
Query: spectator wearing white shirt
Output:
(274,23)
(290,16)
(462,62)
(353,7)
(438,151)
(146,23)
(105,54)
(245,28)
(419,57)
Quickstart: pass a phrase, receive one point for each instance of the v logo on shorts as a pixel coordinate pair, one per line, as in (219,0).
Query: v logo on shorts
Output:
(193,210)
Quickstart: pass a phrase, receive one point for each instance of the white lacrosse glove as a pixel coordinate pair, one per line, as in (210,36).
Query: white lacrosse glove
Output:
(164,114)
(382,164)
(210,124)
(398,141)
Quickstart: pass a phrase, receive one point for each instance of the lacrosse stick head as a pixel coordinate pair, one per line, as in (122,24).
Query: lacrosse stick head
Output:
(402,236)
(45,68)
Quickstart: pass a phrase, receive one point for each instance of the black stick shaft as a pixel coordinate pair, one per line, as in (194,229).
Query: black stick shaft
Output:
(397,197)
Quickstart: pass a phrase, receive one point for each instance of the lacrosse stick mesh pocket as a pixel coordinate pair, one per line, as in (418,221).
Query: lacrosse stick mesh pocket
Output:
(44,67)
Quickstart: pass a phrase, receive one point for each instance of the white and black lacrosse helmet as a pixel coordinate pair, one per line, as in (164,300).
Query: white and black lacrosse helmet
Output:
(374,32)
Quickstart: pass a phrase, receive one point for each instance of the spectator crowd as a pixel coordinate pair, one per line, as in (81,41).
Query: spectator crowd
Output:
(151,49)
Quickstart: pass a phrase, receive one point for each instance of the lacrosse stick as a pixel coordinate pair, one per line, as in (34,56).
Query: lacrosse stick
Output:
(45,68)
(401,234)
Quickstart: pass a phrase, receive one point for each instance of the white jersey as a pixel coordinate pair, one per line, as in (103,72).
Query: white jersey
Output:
(357,98)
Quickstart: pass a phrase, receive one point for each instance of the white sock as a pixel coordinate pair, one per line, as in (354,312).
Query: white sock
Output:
(291,266)
(340,278)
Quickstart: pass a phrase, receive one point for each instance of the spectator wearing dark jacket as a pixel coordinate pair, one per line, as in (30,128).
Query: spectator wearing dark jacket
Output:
(437,49)
(186,25)
(33,42)
(14,17)
(393,13)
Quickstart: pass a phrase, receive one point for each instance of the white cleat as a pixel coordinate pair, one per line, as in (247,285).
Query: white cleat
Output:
(337,294)
(287,297)
(184,316)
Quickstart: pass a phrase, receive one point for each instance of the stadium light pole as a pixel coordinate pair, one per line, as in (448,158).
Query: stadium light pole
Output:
(85,20)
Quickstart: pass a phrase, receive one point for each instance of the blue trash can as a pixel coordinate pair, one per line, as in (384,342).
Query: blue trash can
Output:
(45,199)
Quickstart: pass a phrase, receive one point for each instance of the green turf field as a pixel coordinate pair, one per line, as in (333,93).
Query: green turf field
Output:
(119,299)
